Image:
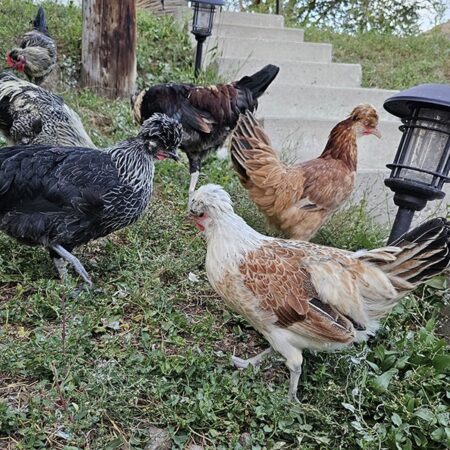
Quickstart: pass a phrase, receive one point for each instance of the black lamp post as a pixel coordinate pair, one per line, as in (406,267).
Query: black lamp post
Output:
(422,162)
(202,24)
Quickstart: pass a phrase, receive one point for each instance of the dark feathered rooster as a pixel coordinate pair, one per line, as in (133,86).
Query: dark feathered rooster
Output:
(32,115)
(36,56)
(62,197)
(208,114)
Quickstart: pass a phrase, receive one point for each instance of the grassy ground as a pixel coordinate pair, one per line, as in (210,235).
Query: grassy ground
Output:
(151,348)
(391,62)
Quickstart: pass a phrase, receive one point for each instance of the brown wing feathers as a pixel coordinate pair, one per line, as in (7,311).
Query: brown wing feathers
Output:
(273,274)
(218,100)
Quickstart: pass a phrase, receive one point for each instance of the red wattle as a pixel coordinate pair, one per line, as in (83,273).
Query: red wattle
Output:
(200,226)
(9,61)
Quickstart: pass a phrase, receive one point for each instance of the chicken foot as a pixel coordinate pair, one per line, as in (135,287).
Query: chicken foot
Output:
(74,261)
(254,361)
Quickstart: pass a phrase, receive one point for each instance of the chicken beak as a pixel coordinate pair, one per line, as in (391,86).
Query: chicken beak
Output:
(173,154)
(376,132)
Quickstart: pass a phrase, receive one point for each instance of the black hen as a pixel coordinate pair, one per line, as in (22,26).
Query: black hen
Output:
(62,197)
(208,114)
(36,55)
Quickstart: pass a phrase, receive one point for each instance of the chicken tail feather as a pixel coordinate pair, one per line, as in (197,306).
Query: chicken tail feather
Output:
(259,81)
(425,252)
(259,168)
(40,21)
(250,148)
(415,257)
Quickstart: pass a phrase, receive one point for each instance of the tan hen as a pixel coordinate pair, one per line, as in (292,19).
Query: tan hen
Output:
(297,199)
(300,295)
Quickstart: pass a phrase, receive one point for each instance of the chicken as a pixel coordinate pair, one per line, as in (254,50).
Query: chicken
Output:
(301,295)
(32,115)
(207,114)
(36,56)
(297,199)
(63,197)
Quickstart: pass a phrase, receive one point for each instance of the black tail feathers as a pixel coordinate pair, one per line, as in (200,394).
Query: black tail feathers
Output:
(40,21)
(259,81)
(429,241)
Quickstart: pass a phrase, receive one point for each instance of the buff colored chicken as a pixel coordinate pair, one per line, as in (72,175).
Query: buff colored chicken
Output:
(301,295)
(298,199)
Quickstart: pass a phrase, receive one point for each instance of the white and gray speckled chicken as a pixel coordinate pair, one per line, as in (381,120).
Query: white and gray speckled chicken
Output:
(30,114)
(36,54)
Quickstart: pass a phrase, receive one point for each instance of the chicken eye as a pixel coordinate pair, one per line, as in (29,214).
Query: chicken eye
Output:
(201,214)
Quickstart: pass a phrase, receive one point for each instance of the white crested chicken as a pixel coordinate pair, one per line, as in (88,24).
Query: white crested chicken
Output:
(301,295)
(30,114)
(208,114)
(297,199)
(36,55)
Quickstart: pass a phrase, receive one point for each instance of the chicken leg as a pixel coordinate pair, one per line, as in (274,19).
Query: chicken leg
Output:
(193,183)
(61,267)
(255,361)
(74,261)
(295,368)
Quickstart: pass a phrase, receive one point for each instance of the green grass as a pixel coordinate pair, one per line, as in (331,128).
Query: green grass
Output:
(388,61)
(151,348)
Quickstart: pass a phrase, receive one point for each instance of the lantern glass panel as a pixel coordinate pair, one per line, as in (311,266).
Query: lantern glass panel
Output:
(427,144)
(203,18)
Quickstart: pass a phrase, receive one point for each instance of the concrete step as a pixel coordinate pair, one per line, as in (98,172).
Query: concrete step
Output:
(249,19)
(269,49)
(319,102)
(249,32)
(184,14)
(295,72)
(304,139)
(371,188)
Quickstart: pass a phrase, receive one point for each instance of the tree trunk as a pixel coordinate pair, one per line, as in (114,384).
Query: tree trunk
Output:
(108,53)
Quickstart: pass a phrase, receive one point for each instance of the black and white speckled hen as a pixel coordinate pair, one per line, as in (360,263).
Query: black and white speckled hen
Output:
(32,115)
(36,55)
(63,197)
(208,114)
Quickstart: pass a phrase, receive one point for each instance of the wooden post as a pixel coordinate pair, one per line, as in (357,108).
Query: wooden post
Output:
(108,54)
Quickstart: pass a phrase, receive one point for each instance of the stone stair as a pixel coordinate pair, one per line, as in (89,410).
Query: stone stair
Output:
(310,95)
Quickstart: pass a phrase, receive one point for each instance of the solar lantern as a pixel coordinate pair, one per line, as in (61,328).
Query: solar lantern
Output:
(202,24)
(422,162)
